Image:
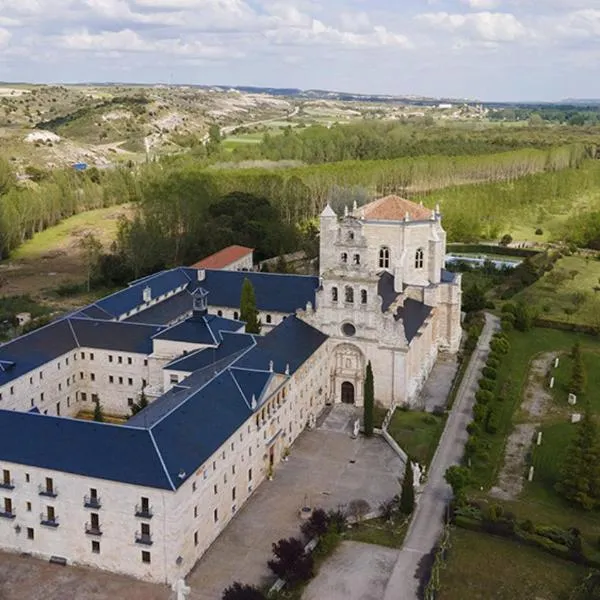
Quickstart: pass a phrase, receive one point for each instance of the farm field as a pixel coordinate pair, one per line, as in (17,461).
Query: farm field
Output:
(569,293)
(484,567)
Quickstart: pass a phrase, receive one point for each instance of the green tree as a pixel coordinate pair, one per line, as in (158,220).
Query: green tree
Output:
(369,401)
(140,405)
(241,591)
(580,473)
(458,479)
(98,412)
(578,375)
(248,312)
(407,495)
(92,249)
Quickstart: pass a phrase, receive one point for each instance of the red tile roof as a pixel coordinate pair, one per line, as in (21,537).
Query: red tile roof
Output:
(393,208)
(223,258)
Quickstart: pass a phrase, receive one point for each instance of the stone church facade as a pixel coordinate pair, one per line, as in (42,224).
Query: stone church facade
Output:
(384,297)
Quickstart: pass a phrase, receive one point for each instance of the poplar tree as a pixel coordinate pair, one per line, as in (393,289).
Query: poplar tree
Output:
(98,413)
(369,401)
(248,312)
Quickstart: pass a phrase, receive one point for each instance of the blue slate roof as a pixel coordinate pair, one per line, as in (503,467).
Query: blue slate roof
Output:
(290,344)
(413,314)
(274,292)
(123,301)
(82,447)
(204,329)
(113,335)
(166,311)
(251,383)
(448,276)
(232,344)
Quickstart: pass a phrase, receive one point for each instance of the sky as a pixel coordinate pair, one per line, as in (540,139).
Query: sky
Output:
(503,50)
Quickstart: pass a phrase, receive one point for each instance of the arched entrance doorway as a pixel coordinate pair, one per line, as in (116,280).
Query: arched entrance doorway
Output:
(347,393)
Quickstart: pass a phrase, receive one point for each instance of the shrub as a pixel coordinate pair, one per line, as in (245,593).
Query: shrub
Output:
(241,591)
(506,239)
(327,543)
(489,373)
(484,396)
(492,422)
(492,362)
(291,563)
(479,413)
(494,356)
(508,308)
(499,346)
(473,428)
(539,231)
(487,384)
(317,524)
(507,325)
(338,521)
(528,526)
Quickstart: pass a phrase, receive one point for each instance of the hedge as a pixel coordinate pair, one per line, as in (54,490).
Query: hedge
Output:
(492,249)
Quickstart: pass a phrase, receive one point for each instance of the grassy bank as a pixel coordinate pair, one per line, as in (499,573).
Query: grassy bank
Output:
(417,433)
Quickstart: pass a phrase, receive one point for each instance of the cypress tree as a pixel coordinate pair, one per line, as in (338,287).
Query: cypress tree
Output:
(98,412)
(369,401)
(407,496)
(580,474)
(248,312)
(577,385)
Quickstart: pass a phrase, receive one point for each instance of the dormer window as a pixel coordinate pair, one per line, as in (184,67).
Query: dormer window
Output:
(344,257)
(147,294)
(419,258)
(384,258)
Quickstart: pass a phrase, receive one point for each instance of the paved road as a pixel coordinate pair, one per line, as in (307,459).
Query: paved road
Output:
(427,522)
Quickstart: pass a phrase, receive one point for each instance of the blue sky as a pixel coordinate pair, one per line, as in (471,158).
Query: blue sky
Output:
(479,49)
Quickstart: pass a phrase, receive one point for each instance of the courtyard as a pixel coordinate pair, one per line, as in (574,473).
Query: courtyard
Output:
(327,469)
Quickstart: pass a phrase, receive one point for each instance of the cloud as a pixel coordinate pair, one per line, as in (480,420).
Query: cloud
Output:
(482,4)
(5,36)
(483,26)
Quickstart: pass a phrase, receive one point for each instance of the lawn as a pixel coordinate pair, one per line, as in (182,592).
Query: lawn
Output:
(378,532)
(417,433)
(512,377)
(484,567)
(102,222)
(567,293)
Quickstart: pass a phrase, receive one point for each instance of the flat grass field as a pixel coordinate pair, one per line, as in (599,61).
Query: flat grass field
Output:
(567,293)
(484,567)
(417,433)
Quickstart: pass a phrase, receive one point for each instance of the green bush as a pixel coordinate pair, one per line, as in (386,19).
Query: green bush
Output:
(509,308)
(527,526)
(500,346)
(492,362)
(484,397)
(489,373)
(487,384)
(473,428)
(479,413)
(492,422)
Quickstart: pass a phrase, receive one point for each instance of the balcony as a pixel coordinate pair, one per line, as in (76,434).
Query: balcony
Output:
(7,515)
(7,485)
(92,529)
(90,502)
(144,512)
(49,492)
(143,538)
(47,521)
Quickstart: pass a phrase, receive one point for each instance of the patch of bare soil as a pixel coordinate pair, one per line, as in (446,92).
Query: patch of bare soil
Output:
(535,405)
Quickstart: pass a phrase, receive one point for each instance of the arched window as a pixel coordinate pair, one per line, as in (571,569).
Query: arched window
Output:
(384,258)
(334,294)
(349,293)
(363,296)
(344,257)
(220,313)
(269,319)
(351,235)
(356,259)
(419,258)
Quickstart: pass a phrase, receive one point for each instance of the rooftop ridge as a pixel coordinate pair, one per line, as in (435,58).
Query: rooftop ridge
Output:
(162,462)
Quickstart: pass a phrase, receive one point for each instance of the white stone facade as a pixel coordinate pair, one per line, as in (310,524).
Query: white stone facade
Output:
(355,251)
